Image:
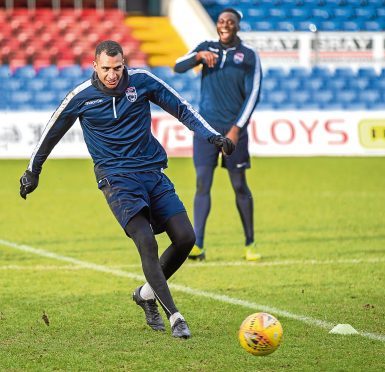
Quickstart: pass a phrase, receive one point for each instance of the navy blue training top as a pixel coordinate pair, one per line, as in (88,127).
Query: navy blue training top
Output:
(117,128)
(230,90)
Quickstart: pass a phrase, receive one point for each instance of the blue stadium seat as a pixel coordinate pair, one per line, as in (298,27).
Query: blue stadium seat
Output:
(336,83)
(300,97)
(87,72)
(163,72)
(304,25)
(286,105)
(25,72)
(330,26)
(277,72)
(367,72)
(344,12)
(290,84)
(345,72)
(345,96)
(285,26)
(60,84)
(333,106)
(369,96)
(297,72)
(267,106)
(313,83)
(320,71)
(277,97)
(310,106)
(43,100)
(366,12)
(270,83)
(374,25)
(5,71)
(323,96)
(36,84)
(14,84)
(322,13)
(355,105)
(300,12)
(20,97)
(73,72)
(352,26)
(377,105)
(358,83)
(48,72)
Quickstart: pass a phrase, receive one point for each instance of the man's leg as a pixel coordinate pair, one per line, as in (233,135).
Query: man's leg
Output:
(244,202)
(182,237)
(139,229)
(202,201)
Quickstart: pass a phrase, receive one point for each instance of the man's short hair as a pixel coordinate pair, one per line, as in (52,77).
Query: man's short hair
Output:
(112,48)
(237,13)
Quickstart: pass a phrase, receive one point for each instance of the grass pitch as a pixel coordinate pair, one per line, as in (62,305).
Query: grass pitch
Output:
(320,226)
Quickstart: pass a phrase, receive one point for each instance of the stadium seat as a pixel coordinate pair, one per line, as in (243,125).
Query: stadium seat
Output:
(36,84)
(24,72)
(5,71)
(48,72)
(74,72)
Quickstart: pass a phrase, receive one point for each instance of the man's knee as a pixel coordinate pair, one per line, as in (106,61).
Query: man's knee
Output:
(204,180)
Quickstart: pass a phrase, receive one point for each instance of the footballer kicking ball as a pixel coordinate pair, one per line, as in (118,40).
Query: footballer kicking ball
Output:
(260,334)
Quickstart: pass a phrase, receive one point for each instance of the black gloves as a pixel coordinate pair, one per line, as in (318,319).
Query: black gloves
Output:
(223,143)
(28,183)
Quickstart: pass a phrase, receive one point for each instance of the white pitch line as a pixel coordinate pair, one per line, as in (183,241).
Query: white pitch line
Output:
(213,296)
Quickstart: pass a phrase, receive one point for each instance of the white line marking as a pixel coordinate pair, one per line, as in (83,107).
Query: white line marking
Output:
(213,296)
(287,262)
(191,264)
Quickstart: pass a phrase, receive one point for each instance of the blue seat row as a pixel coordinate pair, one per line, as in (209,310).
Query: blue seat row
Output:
(299,88)
(296,15)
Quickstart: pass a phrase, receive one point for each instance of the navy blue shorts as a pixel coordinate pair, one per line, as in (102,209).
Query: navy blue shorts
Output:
(206,154)
(152,191)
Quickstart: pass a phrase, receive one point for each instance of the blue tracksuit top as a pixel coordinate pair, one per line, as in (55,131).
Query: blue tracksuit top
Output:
(117,128)
(229,90)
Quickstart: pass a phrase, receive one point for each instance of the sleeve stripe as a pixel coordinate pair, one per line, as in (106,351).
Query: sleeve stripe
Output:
(55,116)
(175,93)
(254,94)
(185,57)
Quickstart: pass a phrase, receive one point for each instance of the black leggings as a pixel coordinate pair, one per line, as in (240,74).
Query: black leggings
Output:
(202,202)
(156,270)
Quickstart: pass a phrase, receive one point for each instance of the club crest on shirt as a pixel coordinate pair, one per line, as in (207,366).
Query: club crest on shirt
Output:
(131,94)
(238,58)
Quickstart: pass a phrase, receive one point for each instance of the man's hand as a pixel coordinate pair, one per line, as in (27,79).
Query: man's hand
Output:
(233,134)
(28,183)
(209,58)
(223,143)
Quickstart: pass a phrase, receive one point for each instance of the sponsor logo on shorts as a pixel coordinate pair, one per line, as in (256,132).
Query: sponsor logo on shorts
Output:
(131,94)
(372,133)
(242,165)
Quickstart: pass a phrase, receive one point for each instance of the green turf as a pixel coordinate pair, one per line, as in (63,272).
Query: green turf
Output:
(320,226)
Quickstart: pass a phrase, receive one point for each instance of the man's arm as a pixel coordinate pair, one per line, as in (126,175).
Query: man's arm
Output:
(60,122)
(195,57)
(253,80)
(169,100)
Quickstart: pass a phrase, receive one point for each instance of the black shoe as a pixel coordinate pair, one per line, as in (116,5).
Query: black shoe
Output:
(180,329)
(153,318)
